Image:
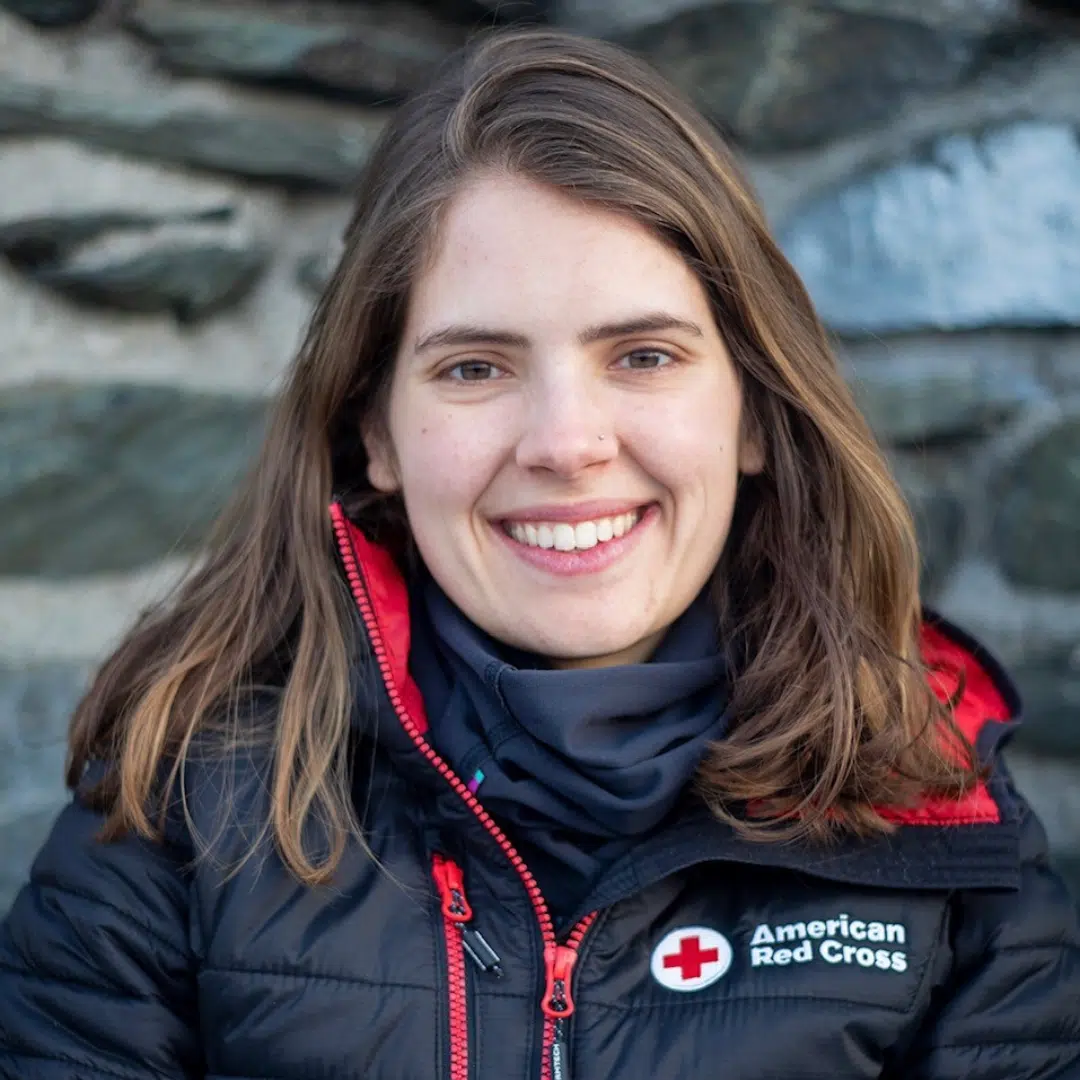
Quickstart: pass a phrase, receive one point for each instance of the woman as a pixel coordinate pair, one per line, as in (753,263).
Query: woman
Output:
(596,727)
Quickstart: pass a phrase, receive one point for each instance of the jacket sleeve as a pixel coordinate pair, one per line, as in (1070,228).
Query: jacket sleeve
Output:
(1010,1005)
(96,975)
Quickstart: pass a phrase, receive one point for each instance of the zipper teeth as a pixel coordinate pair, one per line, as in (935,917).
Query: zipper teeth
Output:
(536,897)
(367,613)
(549,1042)
(581,928)
(459,1018)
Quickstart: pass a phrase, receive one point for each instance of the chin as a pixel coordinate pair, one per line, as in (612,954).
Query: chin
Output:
(585,650)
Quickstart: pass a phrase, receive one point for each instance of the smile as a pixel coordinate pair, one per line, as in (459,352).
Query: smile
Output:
(579,536)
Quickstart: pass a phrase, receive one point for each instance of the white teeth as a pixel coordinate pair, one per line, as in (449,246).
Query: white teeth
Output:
(585,535)
(564,537)
(580,537)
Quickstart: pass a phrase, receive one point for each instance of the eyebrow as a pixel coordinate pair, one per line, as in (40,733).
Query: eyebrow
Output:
(470,334)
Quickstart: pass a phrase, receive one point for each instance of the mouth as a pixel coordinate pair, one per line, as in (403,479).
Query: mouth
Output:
(568,536)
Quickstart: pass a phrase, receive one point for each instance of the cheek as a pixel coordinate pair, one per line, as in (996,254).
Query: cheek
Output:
(443,462)
(687,441)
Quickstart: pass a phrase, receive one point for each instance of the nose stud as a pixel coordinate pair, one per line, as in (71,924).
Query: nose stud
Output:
(600,437)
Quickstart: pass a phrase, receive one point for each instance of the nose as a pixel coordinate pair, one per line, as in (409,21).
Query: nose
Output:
(567,427)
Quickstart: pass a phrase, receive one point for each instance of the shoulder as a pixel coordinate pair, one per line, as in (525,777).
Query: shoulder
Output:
(220,796)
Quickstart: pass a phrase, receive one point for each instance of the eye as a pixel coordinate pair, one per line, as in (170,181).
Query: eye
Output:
(472,371)
(645,360)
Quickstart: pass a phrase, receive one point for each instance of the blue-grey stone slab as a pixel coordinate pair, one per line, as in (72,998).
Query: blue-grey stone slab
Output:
(938,513)
(1050,687)
(302,154)
(369,53)
(785,76)
(108,477)
(1036,511)
(50,13)
(908,396)
(984,231)
(36,702)
(192,263)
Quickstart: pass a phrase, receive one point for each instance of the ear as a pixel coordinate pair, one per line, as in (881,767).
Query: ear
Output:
(382,470)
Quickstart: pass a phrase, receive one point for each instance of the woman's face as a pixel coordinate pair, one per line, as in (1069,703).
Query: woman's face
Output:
(564,425)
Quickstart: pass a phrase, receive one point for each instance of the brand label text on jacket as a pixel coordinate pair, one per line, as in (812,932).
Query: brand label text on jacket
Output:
(837,940)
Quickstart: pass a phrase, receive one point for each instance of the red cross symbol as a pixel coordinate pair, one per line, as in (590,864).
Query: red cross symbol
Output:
(691,958)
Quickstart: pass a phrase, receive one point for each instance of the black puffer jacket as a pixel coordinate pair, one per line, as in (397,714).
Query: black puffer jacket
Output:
(946,951)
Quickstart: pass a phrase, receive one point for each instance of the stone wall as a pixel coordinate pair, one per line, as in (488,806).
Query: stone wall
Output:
(173,177)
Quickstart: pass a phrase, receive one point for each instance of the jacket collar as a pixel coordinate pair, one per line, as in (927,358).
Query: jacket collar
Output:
(941,844)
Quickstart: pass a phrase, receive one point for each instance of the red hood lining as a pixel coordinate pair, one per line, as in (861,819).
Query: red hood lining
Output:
(981,702)
(390,603)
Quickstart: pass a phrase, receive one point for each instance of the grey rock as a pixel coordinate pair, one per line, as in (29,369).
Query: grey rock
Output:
(191,264)
(374,56)
(788,76)
(908,397)
(1036,510)
(190,280)
(47,238)
(1053,789)
(314,271)
(309,154)
(1061,363)
(1067,8)
(604,18)
(938,510)
(1045,86)
(511,11)
(51,13)
(112,477)
(983,232)
(473,13)
(36,703)
(1050,687)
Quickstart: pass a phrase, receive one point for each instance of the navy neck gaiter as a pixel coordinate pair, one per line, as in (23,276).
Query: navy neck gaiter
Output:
(574,765)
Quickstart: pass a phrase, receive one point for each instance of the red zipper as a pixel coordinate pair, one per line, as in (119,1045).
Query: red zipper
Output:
(456,912)
(557,1004)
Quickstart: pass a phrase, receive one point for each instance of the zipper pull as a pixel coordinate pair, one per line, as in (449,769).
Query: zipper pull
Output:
(451,884)
(559,961)
(480,952)
(558,1003)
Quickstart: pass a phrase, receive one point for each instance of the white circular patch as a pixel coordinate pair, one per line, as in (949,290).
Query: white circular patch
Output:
(691,958)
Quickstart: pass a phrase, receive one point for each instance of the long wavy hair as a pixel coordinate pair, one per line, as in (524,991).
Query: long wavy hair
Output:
(834,717)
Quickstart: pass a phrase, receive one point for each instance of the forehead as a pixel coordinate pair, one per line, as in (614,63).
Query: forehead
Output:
(511,248)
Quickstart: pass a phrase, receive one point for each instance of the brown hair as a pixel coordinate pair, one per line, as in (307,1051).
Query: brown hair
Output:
(818,585)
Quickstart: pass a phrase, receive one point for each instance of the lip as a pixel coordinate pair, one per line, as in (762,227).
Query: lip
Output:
(576,512)
(579,563)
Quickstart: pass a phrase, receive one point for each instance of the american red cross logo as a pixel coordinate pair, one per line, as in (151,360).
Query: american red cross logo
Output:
(691,958)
